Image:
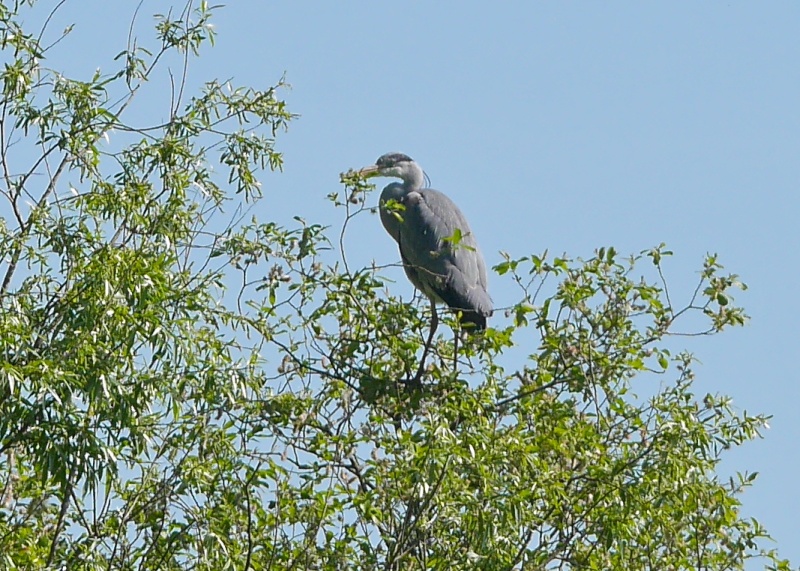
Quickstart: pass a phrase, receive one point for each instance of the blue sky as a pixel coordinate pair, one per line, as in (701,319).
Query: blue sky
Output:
(563,126)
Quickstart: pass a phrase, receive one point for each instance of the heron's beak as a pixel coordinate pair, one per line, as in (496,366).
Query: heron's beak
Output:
(370,171)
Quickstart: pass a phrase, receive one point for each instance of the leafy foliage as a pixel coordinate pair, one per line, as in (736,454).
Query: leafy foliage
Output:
(185,389)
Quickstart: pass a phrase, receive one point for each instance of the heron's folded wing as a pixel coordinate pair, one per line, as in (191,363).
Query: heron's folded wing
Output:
(454,271)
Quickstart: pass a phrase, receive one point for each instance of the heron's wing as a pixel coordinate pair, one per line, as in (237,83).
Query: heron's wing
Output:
(455,273)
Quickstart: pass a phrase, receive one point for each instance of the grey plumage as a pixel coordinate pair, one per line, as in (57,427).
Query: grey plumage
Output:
(423,222)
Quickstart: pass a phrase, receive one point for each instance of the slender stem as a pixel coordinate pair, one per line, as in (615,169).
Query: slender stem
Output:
(456,336)
(416,382)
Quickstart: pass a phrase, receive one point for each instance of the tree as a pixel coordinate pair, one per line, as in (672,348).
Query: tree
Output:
(182,388)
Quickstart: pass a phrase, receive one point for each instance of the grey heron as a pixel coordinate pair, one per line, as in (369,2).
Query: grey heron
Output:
(439,252)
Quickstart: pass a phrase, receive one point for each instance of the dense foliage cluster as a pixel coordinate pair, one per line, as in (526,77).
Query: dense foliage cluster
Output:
(182,388)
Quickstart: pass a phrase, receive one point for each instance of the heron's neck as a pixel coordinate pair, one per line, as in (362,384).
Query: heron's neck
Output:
(414,178)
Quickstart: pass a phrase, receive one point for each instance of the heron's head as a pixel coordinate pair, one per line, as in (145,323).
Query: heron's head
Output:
(396,165)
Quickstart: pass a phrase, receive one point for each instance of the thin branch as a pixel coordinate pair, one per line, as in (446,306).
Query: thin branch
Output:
(47,21)
(59,524)
(15,256)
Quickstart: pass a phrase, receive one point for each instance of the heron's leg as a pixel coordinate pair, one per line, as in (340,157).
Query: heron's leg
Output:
(417,382)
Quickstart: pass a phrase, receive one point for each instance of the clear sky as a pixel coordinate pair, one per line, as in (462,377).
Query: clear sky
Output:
(557,125)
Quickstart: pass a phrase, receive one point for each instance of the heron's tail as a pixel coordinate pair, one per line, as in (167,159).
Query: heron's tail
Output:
(473,309)
(473,321)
